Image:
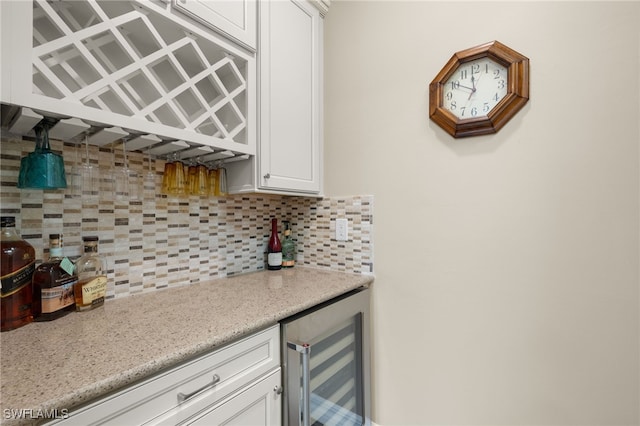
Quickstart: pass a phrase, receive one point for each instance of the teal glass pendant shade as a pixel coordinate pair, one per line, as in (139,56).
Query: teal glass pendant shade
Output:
(42,168)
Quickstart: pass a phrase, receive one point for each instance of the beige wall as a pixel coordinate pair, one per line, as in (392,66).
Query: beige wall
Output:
(507,266)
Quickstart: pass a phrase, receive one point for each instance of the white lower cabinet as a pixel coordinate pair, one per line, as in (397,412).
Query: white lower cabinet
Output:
(237,384)
(258,405)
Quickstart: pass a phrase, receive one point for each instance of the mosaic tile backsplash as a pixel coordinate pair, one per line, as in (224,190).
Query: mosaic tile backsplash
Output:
(158,241)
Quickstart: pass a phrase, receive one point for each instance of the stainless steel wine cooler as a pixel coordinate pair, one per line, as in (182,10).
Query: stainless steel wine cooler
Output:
(326,363)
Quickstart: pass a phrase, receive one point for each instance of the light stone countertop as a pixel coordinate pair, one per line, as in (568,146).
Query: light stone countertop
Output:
(84,355)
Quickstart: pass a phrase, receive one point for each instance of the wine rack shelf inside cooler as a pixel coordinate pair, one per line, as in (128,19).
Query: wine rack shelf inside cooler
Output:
(334,363)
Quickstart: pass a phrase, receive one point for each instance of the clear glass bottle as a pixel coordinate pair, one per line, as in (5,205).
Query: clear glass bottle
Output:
(274,249)
(17,263)
(91,289)
(288,248)
(53,284)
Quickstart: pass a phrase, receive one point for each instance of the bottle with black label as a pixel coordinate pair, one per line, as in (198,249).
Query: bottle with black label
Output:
(17,263)
(288,248)
(274,249)
(53,284)
(91,289)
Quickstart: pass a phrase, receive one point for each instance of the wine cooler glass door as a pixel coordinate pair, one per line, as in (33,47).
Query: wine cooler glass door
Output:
(328,369)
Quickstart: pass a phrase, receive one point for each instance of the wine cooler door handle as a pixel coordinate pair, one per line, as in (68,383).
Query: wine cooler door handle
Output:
(304,349)
(182,397)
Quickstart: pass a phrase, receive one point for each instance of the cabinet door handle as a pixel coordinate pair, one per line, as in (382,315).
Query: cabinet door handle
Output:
(267,176)
(184,396)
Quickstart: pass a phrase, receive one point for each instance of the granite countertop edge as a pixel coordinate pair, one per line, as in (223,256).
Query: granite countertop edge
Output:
(296,290)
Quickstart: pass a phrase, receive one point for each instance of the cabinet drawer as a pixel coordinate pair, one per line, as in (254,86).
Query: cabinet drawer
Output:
(235,366)
(259,405)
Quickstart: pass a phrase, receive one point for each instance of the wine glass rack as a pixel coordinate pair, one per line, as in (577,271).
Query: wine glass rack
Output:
(136,60)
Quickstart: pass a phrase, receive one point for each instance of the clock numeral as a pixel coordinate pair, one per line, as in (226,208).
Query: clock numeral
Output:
(501,84)
(485,107)
(496,74)
(463,74)
(453,105)
(448,96)
(462,109)
(496,97)
(474,111)
(475,69)
(455,85)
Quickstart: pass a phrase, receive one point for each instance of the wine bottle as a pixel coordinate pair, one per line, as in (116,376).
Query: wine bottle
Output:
(288,248)
(274,249)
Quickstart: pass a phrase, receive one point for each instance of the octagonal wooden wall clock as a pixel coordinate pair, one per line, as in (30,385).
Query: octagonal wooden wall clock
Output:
(479,90)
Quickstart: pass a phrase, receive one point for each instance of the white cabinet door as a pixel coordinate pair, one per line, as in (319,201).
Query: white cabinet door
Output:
(234,18)
(290,49)
(258,405)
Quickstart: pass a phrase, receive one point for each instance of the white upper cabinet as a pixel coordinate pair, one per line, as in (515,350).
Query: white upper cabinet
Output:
(233,18)
(137,65)
(290,90)
(290,102)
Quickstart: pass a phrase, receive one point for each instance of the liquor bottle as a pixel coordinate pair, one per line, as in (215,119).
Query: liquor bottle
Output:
(288,248)
(17,263)
(91,268)
(53,284)
(274,257)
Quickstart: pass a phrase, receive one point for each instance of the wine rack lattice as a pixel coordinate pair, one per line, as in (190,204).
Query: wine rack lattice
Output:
(122,57)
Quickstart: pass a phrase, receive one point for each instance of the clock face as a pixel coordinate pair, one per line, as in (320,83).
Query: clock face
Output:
(475,88)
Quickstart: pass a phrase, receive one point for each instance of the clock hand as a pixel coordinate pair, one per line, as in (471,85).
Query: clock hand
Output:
(473,90)
(466,87)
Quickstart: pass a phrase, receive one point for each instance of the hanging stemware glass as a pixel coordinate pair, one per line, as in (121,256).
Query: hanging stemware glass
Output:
(202,187)
(213,182)
(126,180)
(72,177)
(150,178)
(43,168)
(198,179)
(222,181)
(174,181)
(86,176)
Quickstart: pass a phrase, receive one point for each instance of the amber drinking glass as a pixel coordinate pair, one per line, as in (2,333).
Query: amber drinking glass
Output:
(213,181)
(174,179)
(218,182)
(201,185)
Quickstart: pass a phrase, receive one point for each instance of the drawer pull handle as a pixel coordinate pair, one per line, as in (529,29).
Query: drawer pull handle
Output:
(182,397)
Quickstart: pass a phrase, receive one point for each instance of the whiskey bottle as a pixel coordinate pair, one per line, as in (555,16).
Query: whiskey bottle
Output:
(17,263)
(288,248)
(91,289)
(274,249)
(53,284)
